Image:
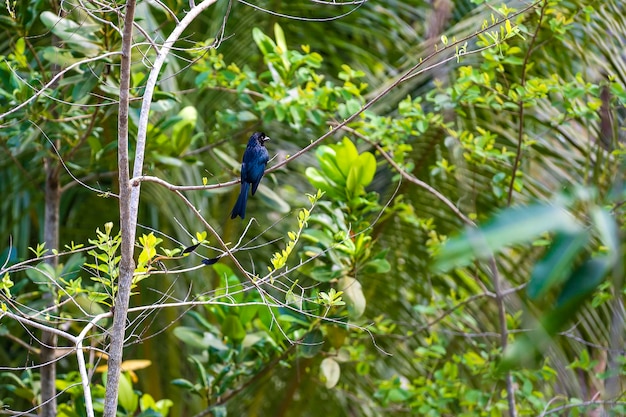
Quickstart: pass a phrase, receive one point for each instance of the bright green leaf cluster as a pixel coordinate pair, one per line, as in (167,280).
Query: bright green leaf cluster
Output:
(106,261)
(330,299)
(279,259)
(290,91)
(149,245)
(345,172)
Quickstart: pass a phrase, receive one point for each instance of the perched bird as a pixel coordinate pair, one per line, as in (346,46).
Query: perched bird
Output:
(252,168)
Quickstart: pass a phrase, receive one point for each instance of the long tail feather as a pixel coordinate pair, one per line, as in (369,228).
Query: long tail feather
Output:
(240,205)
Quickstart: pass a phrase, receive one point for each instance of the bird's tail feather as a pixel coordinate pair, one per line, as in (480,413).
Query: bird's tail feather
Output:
(240,205)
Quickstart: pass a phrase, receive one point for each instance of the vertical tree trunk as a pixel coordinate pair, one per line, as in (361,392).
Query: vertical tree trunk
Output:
(51,239)
(127,265)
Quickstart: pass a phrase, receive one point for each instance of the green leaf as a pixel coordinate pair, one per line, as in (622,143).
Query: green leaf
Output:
(345,155)
(205,379)
(247,313)
(264,42)
(210,340)
(149,413)
(330,164)
(512,226)
(82,89)
(312,343)
(280,37)
(274,201)
(183,383)
(127,397)
(80,36)
(557,263)
(584,281)
(182,131)
(527,349)
(200,318)
(361,173)
(163,406)
(25,393)
(317,179)
(146,402)
(190,337)
(378,266)
(608,229)
(324,274)
(43,273)
(353,106)
(282,44)
(233,329)
(246,116)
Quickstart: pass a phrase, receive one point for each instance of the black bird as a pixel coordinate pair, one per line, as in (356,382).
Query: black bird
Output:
(252,168)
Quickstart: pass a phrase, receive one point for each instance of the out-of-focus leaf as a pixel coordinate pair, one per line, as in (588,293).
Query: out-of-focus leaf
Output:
(183,383)
(584,281)
(205,378)
(24,393)
(312,343)
(346,153)
(219,411)
(182,131)
(324,274)
(190,337)
(247,313)
(202,321)
(281,43)
(317,179)
(81,91)
(331,371)
(227,159)
(127,397)
(211,340)
(361,173)
(80,36)
(273,200)
(168,160)
(146,402)
(353,293)
(331,165)
(526,350)
(135,364)
(378,266)
(264,42)
(608,229)
(557,263)
(233,329)
(41,274)
(72,267)
(149,413)
(509,227)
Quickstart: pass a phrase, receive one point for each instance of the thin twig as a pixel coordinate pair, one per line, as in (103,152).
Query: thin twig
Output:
(412,178)
(54,80)
(520,127)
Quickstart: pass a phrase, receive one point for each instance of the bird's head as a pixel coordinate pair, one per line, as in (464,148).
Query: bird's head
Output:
(260,137)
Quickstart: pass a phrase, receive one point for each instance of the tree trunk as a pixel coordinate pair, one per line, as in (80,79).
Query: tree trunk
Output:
(127,266)
(51,239)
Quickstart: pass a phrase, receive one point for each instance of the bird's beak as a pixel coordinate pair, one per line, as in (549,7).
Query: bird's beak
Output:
(266,138)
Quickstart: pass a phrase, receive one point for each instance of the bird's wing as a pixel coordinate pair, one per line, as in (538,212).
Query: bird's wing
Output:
(244,169)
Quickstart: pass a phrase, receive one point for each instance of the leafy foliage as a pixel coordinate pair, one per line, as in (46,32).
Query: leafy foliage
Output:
(505,129)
